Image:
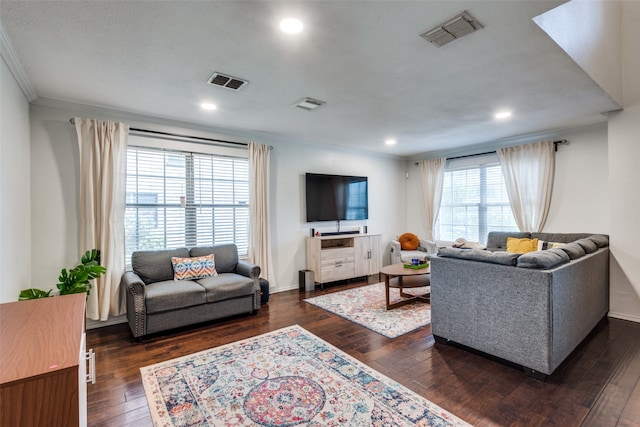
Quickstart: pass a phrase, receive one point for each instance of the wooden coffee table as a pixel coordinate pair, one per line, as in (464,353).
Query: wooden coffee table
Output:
(406,278)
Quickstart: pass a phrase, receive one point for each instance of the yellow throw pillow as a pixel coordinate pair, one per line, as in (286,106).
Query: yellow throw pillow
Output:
(521,246)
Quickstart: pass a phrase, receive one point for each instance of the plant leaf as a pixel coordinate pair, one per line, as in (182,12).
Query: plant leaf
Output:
(78,279)
(33,293)
(92,255)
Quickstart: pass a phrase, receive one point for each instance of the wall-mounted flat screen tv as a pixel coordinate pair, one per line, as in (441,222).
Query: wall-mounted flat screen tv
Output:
(336,197)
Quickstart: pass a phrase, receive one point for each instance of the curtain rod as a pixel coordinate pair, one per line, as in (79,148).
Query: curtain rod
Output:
(555,148)
(243,144)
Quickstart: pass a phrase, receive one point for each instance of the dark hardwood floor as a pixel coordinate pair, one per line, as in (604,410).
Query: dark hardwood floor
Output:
(598,385)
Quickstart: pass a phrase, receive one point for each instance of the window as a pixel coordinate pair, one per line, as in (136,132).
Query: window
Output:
(474,202)
(177,199)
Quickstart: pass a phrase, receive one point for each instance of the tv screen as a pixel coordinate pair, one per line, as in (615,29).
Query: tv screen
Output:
(336,197)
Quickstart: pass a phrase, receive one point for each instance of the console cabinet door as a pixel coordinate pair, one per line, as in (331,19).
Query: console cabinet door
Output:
(368,260)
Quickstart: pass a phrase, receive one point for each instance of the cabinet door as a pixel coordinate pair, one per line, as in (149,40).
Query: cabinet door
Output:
(375,260)
(367,251)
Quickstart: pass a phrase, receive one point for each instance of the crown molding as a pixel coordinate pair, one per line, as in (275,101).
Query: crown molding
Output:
(136,119)
(11,58)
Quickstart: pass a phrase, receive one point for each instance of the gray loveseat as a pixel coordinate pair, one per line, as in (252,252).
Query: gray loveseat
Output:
(156,302)
(531,309)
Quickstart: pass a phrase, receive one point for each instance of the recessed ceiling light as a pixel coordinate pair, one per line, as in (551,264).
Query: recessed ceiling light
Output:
(208,106)
(291,25)
(390,142)
(503,115)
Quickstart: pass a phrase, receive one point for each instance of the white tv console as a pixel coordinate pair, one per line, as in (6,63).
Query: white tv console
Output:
(343,256)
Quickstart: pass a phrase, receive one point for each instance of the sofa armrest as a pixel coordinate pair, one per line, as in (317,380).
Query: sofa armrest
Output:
(136,309)
(430,247)
(395,252)
(245,268)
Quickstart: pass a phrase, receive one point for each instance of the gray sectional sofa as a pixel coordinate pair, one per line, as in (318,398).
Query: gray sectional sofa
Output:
(156,302)
(532,309)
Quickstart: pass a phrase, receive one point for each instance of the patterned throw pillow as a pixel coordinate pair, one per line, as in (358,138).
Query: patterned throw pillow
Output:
(521,246)
(193,268)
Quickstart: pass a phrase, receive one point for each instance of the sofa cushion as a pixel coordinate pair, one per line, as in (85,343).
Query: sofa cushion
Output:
(173,294)
(499,257)
(497,240)
(544,259)
(155,266)
(573,249)
(588,245)
(522,245)
(194,267)
(543,246)
(409,242)
(560,237)
(600,240)
(226,285)
(226,256)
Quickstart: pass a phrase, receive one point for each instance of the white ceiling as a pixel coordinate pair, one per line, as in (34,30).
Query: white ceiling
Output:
(366,59)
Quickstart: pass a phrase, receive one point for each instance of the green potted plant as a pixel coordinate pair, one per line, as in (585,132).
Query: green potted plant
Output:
(74,281)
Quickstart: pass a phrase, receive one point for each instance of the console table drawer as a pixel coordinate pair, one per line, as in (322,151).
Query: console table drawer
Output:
(330,256)
(338,271)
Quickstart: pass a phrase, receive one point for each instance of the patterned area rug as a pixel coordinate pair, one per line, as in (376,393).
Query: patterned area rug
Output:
(283,378)
(366,306)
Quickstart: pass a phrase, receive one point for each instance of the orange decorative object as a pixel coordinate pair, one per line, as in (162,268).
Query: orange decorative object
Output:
(409,242)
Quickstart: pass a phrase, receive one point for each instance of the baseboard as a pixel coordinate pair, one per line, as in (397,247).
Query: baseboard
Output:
(624,317)
(283,289)
(115,320)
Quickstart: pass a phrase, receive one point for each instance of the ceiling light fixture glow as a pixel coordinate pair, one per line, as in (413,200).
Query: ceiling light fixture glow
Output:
(503,115)
(208,106)
(390,142)
(291,25)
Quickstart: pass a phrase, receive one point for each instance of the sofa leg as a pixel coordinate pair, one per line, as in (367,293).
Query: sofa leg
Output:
(139,340)
(536,375)
(440,340)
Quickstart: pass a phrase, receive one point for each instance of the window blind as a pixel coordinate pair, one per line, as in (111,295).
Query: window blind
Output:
(182,199)
(474,202)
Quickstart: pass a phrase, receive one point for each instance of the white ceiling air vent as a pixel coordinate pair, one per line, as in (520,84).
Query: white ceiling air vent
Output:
(309,103)
(454,28)
(223,80)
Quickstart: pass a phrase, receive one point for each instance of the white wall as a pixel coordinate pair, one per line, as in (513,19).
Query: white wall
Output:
(593,41)
(55,187)
(290,162)
(15,188)
(580,201)
(624,176)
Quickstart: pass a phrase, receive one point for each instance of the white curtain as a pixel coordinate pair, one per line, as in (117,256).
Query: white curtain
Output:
(431,178)
(103,155)
(528,174)
(260,236)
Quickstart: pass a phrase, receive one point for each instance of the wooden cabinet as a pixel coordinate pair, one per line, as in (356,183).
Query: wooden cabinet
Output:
(43,359)
(342,257)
